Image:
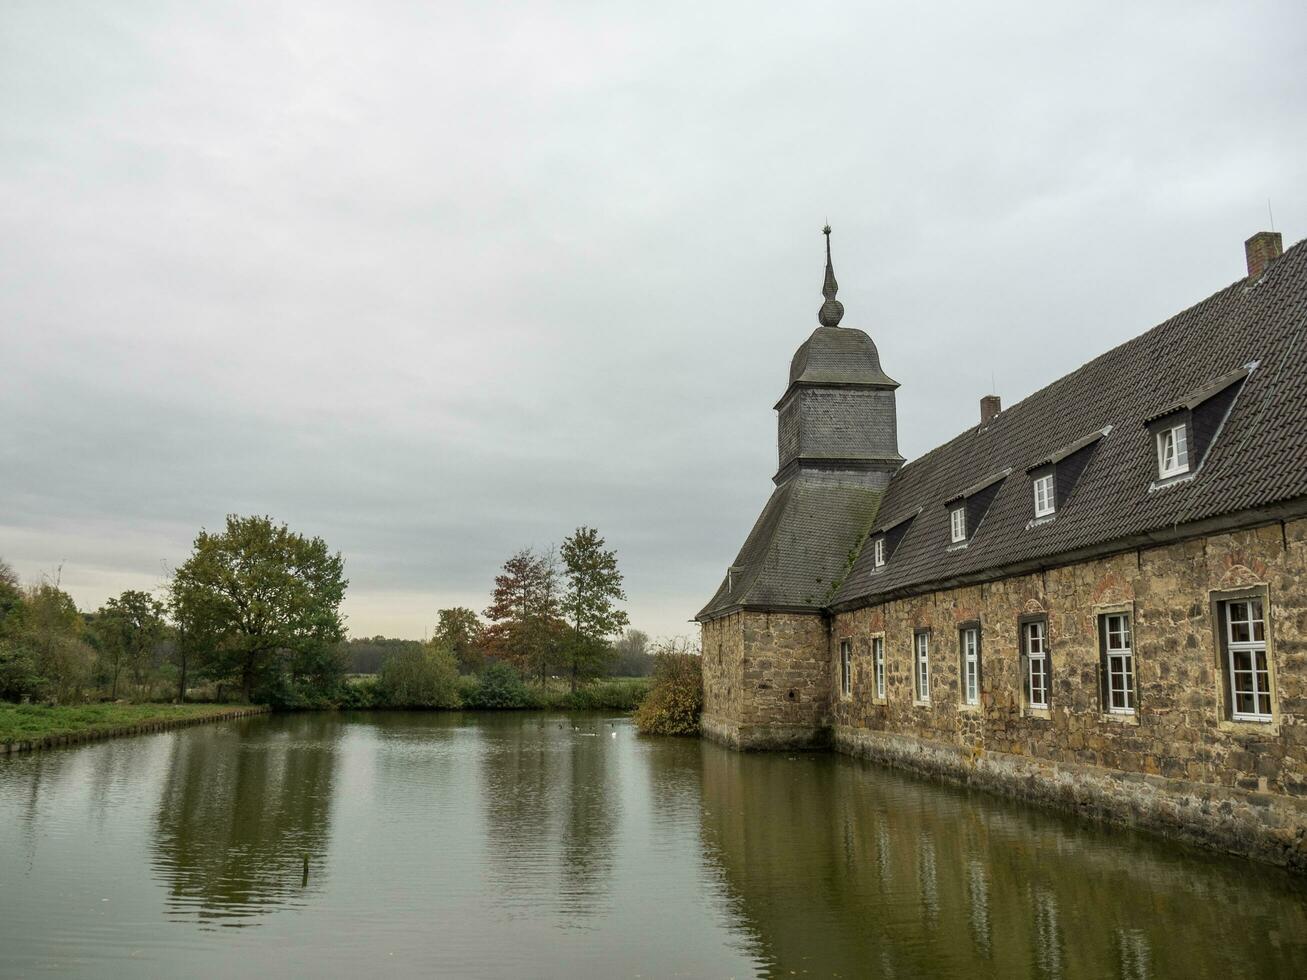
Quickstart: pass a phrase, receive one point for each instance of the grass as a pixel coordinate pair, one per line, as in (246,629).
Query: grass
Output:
(622,694)
(33,722)
(612,694)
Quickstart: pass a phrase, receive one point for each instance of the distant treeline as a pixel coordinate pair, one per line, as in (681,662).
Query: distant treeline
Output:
(254,614)
(632,654)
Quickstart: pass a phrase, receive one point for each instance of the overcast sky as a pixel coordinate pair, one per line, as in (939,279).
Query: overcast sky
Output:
(439,280)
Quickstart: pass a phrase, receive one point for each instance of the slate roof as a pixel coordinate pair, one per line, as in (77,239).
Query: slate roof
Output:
(838,355)
(1257,461)
(799,548)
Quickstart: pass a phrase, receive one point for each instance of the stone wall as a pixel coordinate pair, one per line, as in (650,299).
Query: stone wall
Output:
(1183,758)
(765,680)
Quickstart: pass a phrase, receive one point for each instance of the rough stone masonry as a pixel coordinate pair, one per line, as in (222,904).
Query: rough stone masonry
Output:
(1120,561)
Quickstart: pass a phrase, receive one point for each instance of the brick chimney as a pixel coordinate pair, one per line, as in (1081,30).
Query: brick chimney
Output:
(990,406)
(1262,249)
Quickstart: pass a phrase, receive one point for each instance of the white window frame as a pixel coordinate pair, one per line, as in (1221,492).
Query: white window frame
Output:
(878,664)
(921,665)
(1119,661)
(957,524)
(1258,677)
(1034,638)
(878,552)
(846,668)
(1172,451)
(970,641)
(1045,497)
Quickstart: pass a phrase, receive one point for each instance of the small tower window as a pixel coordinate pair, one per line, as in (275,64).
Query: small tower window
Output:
(957,521)
(1172,451)
(1045,500)
(879,550)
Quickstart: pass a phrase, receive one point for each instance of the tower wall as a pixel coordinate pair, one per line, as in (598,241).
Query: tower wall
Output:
(857,426)
(766,680)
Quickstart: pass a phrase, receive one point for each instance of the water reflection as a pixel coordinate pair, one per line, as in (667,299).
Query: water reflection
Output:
(944,882)
(552,806)
(243,820)
(543,846)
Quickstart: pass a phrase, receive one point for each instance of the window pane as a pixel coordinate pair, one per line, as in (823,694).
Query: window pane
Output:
(1244,702)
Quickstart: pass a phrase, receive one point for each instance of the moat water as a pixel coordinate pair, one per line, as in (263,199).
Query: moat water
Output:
(534,845)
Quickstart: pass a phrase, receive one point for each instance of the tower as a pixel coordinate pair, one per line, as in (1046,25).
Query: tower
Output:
(766,637)
(837,419)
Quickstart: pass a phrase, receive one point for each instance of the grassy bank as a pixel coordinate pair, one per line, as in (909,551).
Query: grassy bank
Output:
(38,722)
(616,694)
(496,691)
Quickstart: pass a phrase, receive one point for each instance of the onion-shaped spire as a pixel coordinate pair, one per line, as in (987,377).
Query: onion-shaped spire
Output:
(832,311)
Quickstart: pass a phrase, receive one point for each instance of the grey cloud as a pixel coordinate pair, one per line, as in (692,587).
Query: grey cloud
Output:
(437,281)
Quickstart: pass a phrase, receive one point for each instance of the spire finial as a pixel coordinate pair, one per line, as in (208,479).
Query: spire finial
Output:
(832,311)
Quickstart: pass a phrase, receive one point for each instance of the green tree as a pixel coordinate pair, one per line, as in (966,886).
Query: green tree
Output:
(54,633)
(526,628)
(594,587)
(422,678)
(129,629)
(18,674)
(257,599)
(11,596)
(460,630)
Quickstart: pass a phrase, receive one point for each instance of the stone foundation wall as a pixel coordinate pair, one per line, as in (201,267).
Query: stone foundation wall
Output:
(1179,760)
(1265,826)
(766,680)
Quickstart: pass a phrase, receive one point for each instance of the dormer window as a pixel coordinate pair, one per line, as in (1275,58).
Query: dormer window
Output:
(957,522)
(886,537)
(1045,498)
(967,510)
(1183,432)
(1172,452)
(1053,478)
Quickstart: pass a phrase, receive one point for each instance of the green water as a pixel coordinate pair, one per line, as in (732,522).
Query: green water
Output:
(536,845)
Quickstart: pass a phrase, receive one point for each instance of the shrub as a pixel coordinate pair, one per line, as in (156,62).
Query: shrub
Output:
(420,678)
(19,677)
(359,694)
(675,701)
(499,687)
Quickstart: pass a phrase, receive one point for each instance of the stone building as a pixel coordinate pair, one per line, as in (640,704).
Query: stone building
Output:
(1096,598)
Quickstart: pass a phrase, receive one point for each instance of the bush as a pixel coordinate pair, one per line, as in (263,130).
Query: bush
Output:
(19,677)
(359,695)
(421,678)
(675,701)
(499,686)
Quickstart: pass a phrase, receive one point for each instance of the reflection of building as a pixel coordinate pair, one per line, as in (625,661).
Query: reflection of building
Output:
(1109,576)
(865,873)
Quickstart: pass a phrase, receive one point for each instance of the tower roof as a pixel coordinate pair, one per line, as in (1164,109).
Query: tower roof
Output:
(836,355)
(839,355)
